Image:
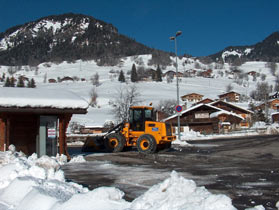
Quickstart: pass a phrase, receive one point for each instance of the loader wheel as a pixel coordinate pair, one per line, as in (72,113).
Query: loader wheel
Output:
(115,142)
(146,144)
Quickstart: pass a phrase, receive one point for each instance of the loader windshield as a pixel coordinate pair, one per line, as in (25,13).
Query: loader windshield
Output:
(138,116)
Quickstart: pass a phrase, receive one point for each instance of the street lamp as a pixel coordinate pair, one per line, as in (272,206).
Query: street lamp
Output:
(178,33)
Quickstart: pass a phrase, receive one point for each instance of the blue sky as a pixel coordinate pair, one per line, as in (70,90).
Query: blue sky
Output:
(207,26)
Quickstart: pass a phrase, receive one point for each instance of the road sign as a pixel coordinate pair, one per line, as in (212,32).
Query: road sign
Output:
(178,108)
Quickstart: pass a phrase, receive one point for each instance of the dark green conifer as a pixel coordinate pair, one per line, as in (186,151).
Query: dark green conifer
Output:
(20,82)
(159,74)
(7,82)
(121,77)
(134,75)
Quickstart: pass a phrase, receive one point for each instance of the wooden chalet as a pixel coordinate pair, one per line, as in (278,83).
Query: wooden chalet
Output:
(245,113)
(92,129)
(230,97)
(275,117)
(172,74)
(205,119)
(274,95)
(52,81)
(190,73)
(192,97)
(252,73)
(271,104)
(35,120)
(207,73)
(274,104)
(66,79)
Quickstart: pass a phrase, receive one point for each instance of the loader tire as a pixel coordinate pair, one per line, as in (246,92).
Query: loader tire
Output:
(114,142)
(146,144)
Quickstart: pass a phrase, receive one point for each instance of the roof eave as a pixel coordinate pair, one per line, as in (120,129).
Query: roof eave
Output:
(43,110)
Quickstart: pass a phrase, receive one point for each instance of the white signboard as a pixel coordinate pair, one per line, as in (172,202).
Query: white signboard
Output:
(51,133)
(201,115)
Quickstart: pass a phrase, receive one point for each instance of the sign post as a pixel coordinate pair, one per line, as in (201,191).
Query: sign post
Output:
(178,108)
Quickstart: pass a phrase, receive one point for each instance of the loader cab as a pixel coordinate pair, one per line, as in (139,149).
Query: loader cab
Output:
(138,115)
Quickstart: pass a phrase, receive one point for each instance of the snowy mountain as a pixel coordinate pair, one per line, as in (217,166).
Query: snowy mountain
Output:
(70,37)
(267,50)
(65,37)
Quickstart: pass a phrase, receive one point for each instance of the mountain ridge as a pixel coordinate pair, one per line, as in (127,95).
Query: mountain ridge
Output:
(65,37)
(266,50)
(70,37)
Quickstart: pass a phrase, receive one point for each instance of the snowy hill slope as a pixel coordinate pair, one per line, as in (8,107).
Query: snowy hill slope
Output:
(266,50)
(150,91)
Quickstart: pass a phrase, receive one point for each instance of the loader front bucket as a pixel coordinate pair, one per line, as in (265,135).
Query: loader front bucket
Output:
(93,144)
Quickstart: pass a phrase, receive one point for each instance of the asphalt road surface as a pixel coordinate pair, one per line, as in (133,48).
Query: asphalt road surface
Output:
(245,169)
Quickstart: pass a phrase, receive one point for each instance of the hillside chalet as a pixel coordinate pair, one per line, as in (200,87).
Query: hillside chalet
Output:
(192,97)
(36,120)
(230,97)
(271,104)
(274,95)
(172,74)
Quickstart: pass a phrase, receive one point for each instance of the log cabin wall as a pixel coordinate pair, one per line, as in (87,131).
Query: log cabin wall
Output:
(24,131)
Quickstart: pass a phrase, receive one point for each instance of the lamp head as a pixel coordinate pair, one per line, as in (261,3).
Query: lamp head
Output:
(178,33)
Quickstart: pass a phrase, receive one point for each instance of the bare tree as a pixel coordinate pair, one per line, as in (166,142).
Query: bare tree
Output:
(263,77)
(262,91)
(167,106)
(95,79)
(125,98)
(276,86)
(272,67)
(93,97)
(229,88)
(12,70)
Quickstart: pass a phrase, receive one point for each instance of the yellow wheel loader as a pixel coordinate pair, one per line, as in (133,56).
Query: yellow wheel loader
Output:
(141,131)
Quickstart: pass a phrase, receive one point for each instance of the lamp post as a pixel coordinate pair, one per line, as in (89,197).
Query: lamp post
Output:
(178,33)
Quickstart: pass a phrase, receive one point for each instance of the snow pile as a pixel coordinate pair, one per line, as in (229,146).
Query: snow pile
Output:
(259,207)
(189,134)
(38,183)
(273,129)
(78,159)
(178,193)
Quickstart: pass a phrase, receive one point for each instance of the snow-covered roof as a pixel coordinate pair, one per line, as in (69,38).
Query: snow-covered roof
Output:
(40,98)
(216,114)
(236,106)
(212,115)
(190,109)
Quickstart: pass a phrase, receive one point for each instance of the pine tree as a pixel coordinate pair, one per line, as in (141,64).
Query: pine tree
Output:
(153,75)
(159,74)
(3,77)
(121,77)
(134,75)
(7,82)
(20,82)
(12,82)
(31,83)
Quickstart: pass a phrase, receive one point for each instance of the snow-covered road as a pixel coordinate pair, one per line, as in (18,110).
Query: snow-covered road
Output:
(244,169)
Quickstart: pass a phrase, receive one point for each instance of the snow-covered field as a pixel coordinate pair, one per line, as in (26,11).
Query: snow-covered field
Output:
(150,92)
(39,183)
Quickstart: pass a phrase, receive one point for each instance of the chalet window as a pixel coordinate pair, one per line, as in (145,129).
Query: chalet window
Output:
(201,115)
